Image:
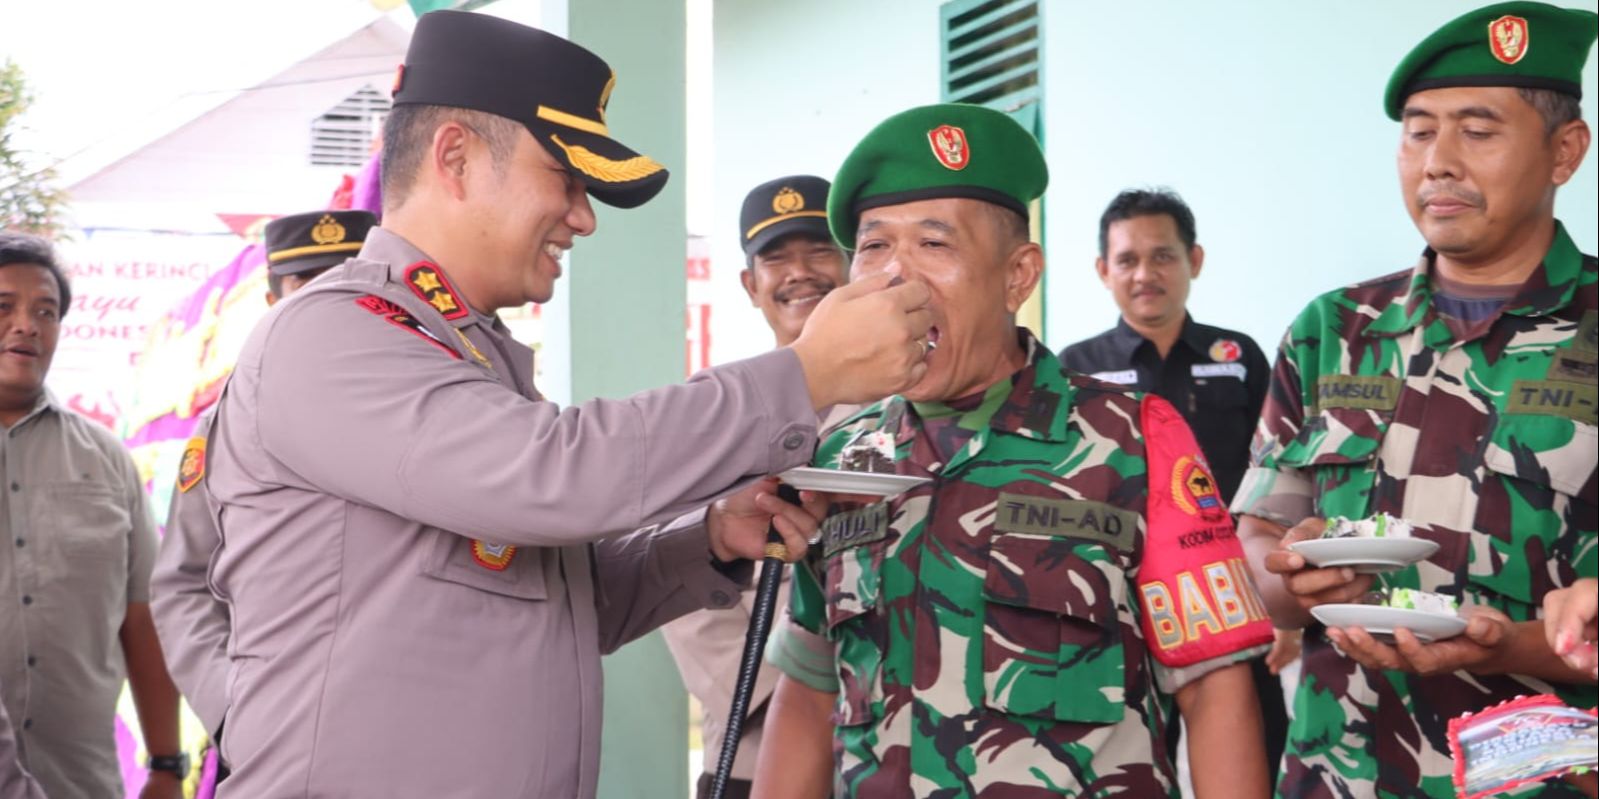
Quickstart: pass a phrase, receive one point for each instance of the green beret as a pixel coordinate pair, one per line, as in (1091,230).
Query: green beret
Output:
(937,151)
(1520,44)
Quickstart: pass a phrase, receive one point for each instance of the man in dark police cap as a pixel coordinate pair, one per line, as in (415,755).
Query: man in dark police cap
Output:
(411,533)
(191,620)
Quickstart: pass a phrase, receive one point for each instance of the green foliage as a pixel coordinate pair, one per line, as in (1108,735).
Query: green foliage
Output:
(29,198)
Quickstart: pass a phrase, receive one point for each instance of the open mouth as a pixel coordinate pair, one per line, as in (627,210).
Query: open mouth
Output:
(21,350)
(932,338)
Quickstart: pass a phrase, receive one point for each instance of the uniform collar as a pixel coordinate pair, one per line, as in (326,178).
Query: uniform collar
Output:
(422,276)
(1125,341)
(1548,289)
(1031,408)
(47,402)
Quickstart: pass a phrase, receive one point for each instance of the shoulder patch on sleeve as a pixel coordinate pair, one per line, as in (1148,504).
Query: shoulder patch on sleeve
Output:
(192,469)
(1198,598)
(399,317)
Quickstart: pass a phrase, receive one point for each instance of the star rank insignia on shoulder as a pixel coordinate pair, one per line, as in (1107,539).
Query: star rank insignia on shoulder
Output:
(430,284)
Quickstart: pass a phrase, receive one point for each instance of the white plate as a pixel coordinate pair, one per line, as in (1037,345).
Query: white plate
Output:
(807,478)
(1365,555)
(1381,622)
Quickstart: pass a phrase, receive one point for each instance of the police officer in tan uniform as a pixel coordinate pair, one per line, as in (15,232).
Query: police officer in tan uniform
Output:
(190,618)
(424,560)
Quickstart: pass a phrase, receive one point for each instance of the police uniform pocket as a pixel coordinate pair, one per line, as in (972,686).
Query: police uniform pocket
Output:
(1052,643)
(84,520)
(498,569)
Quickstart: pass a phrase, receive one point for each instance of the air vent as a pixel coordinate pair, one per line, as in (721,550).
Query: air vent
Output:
(991,52)
(344,135)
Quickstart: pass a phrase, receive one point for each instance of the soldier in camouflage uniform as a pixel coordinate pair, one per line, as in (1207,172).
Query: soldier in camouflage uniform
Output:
(1017,626)
(1459,395)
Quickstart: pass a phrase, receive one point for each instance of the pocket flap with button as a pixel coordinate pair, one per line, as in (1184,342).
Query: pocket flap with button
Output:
(498,569)
(1047,573)
(86,518)
(1546,450)
(1337,436)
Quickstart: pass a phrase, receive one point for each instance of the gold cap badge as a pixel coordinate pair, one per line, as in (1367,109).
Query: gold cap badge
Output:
(327,231)
(788,201)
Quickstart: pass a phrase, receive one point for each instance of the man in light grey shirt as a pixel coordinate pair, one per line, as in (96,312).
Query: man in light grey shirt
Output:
(75,574)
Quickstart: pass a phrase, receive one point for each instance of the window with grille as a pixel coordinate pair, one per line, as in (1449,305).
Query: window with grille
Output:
(343,136)
(990,52)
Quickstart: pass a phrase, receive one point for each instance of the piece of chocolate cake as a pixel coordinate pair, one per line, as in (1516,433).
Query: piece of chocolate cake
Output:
(874,454)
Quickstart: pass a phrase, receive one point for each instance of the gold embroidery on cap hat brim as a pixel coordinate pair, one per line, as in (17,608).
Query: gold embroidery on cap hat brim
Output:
(760,226)
(601,168)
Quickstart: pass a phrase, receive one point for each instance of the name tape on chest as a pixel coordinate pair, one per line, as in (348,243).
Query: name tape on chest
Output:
(854,528)
(1575,401)
(1125,377)
(1364,392)
(1237,370)
(1066,518)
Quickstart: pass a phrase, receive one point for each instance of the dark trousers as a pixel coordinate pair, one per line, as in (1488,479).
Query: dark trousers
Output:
(1273,715)
(736,789)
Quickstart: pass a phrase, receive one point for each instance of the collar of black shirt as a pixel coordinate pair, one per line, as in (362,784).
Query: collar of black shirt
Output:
(1127,340)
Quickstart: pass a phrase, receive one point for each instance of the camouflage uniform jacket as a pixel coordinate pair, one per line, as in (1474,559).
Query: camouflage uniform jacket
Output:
(1483,435)
(988,634)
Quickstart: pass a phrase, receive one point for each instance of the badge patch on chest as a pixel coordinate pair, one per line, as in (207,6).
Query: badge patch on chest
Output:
(854,528)
(1575,365)
(192,470)
(494,557)
(429,283)
(1066,518)
(1365,392)
(1225,350)
(1587,339)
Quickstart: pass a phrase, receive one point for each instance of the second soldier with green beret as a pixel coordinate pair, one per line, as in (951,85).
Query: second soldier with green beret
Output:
(1458,394)
(1018,625)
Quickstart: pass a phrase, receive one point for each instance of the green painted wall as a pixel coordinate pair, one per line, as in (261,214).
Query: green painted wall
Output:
(626,295)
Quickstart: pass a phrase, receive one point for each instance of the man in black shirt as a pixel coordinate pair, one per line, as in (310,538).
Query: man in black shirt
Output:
(1217,378)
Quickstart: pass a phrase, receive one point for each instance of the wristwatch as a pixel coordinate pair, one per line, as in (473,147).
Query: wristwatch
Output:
(177,765)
